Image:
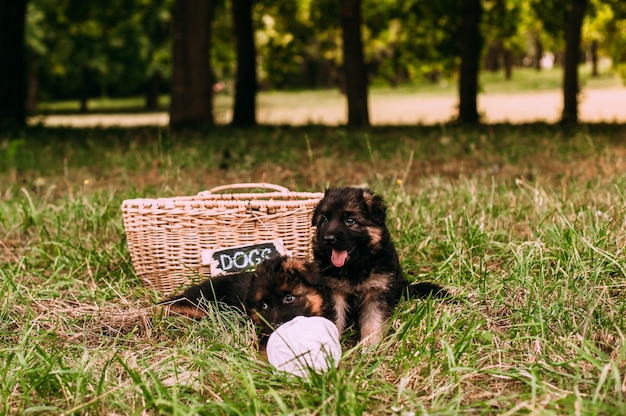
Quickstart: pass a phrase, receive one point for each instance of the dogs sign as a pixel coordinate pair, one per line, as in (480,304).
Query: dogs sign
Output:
(237,259)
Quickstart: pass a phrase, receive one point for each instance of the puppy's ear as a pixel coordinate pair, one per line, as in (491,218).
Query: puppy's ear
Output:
(375,207)
(316,213)
(317,210)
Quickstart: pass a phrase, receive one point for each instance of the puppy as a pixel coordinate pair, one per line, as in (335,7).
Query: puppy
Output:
(358,262)
(280,289)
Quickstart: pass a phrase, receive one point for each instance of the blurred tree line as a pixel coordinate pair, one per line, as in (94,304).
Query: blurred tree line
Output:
(75,49)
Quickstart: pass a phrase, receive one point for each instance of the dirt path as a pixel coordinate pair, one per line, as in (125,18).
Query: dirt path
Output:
(596,105)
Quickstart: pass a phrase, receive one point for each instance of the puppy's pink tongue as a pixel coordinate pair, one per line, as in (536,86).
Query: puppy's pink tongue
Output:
(338,257)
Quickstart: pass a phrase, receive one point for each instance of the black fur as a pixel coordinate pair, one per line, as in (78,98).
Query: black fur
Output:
(230,290)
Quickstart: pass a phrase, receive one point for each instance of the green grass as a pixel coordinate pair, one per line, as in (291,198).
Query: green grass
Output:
(525,224)
(125,105)
(523,80)
(529,80)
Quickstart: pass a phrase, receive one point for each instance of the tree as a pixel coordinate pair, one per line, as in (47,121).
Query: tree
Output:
(155,21)
(35,47)
(616,39)
(413,40)
(355,72)
(192,95)
(80,49)
(604,31)
(288,43)
(500,28)
(564,19)
(244,111)
(572,58)
(471,45)
(12,70)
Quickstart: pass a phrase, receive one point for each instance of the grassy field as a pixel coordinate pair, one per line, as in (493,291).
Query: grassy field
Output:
(525,224)
(523,80)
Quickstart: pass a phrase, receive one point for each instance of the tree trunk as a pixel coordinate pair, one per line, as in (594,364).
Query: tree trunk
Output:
(244,111)
(33,90)
(471,44)
(594,58)
(12,69)
(492,57)
(355,71)
(84,89)
(152,91)
(538,52)
(192,97)
(507,57)
(572,59)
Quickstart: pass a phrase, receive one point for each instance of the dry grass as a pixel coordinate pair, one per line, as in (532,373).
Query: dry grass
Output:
(91,324)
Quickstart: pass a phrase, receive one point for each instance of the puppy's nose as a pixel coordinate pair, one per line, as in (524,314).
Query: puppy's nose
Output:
(330,239)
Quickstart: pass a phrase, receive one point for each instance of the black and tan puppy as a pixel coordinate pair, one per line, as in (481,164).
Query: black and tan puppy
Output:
(280,289)
(358,261)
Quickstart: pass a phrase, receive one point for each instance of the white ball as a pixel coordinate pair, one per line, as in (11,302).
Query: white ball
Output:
(305,343)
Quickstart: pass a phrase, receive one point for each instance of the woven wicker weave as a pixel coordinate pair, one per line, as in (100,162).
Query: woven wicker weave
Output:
(167,235)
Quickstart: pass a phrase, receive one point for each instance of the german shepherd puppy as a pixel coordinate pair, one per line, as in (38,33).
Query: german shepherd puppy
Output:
(358,262)
(280,289)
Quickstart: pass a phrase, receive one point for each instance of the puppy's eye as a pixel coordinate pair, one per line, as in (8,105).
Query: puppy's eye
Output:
(350,221)
(264,306)
(323,219)
(289,299)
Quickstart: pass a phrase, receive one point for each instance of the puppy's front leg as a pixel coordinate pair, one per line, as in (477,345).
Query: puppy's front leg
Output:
(341,309)
(372,321)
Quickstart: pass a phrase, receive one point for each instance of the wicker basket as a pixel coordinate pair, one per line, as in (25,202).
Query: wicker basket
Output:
(166,236)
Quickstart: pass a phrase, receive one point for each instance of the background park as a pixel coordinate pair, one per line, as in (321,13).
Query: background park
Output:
(494,129)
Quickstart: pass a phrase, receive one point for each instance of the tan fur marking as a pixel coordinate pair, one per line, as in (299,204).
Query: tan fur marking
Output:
(193,312)
(299,290)
(371,323)
(341,307)
(376,236)
(315,302)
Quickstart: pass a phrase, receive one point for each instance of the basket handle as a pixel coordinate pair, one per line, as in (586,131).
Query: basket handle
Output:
(253,185)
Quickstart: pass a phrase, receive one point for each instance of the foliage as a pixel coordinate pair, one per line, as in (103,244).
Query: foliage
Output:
(604,24)
(610,26)
(120,42)
(285,37)
(424,41)
(223,53)
(124,43)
